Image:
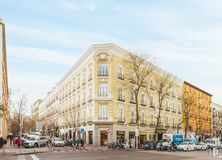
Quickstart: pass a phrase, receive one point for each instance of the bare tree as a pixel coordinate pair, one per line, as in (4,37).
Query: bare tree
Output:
(187,104)
(139,69)
(19,113)
(163,82)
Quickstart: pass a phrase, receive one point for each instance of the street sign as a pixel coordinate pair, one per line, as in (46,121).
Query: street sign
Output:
(81,130)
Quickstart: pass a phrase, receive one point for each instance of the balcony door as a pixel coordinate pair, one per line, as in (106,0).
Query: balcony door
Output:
(103,89)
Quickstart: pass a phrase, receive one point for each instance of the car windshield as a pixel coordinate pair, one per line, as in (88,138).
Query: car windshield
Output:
(30,138)
(184,143)
(58,139)
(210,141)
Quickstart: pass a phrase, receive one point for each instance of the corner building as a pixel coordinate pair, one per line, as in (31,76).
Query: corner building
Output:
(91,102)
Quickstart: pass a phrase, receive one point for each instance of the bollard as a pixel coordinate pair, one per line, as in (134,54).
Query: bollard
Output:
(214,152)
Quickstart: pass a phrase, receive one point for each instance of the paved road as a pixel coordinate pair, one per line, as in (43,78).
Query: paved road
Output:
(110,155)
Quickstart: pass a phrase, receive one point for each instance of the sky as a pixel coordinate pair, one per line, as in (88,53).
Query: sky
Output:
(46,37)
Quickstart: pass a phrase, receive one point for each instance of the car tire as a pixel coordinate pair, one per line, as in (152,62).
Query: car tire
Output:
(35,145)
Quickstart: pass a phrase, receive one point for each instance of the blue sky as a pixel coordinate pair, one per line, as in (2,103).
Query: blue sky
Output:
(45,37)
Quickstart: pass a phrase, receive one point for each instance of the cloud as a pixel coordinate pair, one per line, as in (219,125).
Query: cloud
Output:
(33,85)
(76,6)
(59,37)
(38,54)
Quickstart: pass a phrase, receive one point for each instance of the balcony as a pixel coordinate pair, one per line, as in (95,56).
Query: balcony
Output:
(105,74)
(152,87)
(120,76)
(103,96)
(152,125)
(90,78)
(143,123)
(104,120)
(167,108)
(89,99)
(121,98)
(132,101)
(143,104)
(83,83)
(152,106)
(133,122)
(121,119)
(89,119)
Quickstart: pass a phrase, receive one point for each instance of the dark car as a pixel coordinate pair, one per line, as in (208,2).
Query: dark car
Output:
(149,145)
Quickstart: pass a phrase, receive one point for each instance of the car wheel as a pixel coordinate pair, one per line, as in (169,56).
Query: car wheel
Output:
(35,145)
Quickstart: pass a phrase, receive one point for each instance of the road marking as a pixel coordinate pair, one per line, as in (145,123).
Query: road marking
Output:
(34,157)
(21,157)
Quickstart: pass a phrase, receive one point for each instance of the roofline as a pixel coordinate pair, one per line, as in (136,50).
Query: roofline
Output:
(88,52)
(187,83)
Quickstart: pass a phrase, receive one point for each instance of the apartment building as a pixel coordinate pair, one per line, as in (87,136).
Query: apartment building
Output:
(35,110)
(200,114)
(92,101)
(216,120)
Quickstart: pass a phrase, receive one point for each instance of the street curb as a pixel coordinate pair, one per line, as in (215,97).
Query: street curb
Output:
(30,153)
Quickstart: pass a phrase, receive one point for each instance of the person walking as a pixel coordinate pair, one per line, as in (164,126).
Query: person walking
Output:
(1,142)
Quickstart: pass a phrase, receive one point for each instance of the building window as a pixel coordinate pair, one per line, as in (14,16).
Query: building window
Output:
(103,69)
(132,96)
(83,79)
(152,119)
(173,122)
(90,95)
(173,107)
(173,94)
(143,99)
(167,121)
(90,74)
(151,85)
(133,117)
(179,108)
(103,89)
(120,93)
(120,72)
(143,118)
(120,114)
(103,112)
(151,101)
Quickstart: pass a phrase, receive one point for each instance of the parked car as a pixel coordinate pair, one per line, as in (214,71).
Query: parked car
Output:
(213,143)
(162,145)
(201,146)
(186,146)
(149,145)
(31,142)
(58,142)
(36,141)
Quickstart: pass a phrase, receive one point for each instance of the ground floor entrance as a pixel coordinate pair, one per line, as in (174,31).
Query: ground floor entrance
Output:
(103,138)
(90,137)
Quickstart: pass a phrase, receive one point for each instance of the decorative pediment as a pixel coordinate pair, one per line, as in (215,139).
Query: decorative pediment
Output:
(102,55)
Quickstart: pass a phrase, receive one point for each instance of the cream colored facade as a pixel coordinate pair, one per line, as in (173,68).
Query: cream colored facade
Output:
(4,95)
(216,119)
(35,110)
(91,101)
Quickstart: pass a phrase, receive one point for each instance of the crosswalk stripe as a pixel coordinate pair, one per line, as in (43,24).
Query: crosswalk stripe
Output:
(21,157)
(34,157)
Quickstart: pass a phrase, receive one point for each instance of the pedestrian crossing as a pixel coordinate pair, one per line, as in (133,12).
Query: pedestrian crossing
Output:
(27,157)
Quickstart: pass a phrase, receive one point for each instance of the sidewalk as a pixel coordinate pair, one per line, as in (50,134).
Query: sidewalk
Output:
(95,148)
(10,149)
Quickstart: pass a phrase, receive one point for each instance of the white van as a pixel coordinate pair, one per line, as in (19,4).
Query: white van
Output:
(213,143)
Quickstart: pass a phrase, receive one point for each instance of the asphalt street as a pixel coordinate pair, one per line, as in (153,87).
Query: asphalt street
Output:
(110,155)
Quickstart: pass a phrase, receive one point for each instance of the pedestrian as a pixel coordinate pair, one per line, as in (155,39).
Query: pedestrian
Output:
(18,141)
(1,142)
